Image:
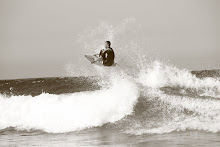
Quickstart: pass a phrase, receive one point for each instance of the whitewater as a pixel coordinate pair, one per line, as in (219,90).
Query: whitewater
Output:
(69,112)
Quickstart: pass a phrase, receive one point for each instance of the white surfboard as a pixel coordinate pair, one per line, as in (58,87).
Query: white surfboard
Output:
(94,59)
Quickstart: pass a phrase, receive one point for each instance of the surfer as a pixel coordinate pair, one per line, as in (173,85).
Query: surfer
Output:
(106,55)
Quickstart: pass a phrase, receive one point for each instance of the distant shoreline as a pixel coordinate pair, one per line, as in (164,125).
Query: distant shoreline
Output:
(197,73)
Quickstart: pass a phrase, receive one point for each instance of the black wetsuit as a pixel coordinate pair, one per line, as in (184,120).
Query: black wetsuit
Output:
(108,56)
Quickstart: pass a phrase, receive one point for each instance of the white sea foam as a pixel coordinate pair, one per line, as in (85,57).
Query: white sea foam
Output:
(69,112)
(157,75)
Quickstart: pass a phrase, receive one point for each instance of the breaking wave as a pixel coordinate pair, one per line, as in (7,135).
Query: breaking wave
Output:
(69,112)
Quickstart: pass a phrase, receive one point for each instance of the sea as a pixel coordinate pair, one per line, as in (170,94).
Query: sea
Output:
(160,105)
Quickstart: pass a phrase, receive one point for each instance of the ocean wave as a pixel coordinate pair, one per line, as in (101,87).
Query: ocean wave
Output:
(69,112)
(158,75)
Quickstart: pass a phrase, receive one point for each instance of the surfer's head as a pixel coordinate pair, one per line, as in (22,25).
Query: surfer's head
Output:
(107,44)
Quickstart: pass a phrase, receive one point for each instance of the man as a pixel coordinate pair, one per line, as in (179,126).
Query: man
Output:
(107,55)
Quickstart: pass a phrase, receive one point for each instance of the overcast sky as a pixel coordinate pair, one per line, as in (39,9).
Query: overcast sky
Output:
(38,37)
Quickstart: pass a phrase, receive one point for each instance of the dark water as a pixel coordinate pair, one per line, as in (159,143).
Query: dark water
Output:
(184,110)
(55,85)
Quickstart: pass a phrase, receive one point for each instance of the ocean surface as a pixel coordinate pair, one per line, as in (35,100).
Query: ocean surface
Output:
(160,105)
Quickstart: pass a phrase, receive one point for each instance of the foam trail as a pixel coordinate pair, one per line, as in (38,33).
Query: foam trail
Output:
(69,112)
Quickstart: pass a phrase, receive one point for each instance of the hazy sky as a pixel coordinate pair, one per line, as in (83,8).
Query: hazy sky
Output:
(38,37)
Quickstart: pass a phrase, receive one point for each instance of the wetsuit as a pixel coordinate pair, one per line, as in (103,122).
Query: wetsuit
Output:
(108,56)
